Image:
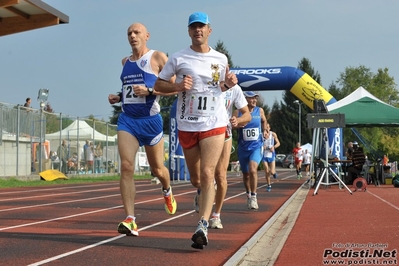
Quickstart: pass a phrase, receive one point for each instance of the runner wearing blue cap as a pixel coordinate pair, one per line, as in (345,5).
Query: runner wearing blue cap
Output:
(202,74)
(250,142)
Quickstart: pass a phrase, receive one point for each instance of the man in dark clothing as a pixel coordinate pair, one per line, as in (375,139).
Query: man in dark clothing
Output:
(358,160)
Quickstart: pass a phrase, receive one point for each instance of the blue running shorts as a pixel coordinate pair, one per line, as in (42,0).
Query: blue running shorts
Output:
(244,157)
(147,130)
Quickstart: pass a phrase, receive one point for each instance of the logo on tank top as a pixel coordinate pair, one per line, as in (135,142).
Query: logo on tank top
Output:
(143,63)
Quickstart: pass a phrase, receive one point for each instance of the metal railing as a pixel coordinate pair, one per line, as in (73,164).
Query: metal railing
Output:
(29,138)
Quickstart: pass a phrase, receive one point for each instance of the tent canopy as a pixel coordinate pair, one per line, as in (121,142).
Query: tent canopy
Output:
(362,109)
(308,147)
(79,129)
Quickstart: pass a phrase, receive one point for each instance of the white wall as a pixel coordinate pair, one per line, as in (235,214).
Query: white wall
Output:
(8,156)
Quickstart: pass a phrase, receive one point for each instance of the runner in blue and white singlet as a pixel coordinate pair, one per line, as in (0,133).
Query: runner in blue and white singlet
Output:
(133,105)
(250,142)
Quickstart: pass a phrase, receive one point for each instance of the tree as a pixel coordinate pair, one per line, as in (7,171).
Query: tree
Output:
(166,103)
(381,85)
(222,49)
(117,109)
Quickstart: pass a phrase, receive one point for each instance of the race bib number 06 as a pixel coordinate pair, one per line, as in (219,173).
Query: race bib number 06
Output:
(250,134)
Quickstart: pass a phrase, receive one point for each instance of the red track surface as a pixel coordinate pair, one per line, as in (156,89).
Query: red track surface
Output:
(75,224)
(333,225)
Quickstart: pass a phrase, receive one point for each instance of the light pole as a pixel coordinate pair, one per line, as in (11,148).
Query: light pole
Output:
(299,119)
(42,97)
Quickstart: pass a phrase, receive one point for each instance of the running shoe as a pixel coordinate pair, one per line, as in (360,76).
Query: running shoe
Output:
(269,188)
(299,176)
(128,227)
(254,203)
(196,203)
(215,223)
(200,236)
(170,202)
(249,201)
(275,175)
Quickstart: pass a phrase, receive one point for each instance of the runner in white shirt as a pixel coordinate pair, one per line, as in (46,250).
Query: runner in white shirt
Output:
(202,74)
(233,96)
(270,143)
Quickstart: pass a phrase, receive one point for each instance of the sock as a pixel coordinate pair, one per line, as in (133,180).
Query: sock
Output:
(198,191)
(130,216)
(166,192)
(253,194)
(216,215)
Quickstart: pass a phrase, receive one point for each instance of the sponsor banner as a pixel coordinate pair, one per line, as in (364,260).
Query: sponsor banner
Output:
(176,157)
(290,79)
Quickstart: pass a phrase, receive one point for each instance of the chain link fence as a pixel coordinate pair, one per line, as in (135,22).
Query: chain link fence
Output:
(33,140)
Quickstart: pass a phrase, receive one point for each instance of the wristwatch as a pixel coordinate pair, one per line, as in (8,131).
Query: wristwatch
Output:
(150,90)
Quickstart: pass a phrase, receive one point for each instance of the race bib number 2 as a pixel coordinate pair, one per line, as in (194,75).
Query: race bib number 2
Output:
(129,97)
(250,134)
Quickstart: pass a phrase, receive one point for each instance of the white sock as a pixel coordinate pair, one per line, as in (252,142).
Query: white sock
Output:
(216,215)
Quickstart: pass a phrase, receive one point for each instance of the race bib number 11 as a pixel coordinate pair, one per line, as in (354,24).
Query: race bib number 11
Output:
(202,106)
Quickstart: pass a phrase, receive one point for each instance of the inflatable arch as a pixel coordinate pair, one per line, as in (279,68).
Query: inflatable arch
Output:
(267,79)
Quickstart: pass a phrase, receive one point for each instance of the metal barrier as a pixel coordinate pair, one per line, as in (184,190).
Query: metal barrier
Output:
(29,137)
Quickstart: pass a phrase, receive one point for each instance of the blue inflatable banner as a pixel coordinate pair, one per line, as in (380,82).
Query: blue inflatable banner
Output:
(290,79)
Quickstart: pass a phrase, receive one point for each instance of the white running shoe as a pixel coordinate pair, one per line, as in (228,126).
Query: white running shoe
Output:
(200,236)
(215,223)
(254,203)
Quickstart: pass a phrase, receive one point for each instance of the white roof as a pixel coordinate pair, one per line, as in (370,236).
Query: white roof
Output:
(81,129)
(354,96)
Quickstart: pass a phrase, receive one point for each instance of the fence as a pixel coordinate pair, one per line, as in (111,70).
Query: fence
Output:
(29,138)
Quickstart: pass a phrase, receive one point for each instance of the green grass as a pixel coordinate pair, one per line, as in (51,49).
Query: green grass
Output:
(14,182)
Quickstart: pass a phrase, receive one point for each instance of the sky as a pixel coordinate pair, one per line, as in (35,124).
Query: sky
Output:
(80,62)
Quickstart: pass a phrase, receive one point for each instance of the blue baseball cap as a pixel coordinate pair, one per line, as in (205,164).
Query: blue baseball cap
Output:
(250,94)
(198,17)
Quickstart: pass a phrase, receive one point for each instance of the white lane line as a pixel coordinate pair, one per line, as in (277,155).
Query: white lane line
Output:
(76,192)
(104,241)
(52,188)
(58,194)
(70,201)
(72,252)
(83,213)
(387,202)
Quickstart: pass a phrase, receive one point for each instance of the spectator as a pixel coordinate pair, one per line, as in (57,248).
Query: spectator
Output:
(27,103)
(87,145)
(63,155)
(358,160)
(73,162)
(55,161)
(90,157)
(349,150)
(98,154)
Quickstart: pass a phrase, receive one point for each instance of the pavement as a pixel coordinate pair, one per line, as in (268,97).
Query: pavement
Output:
(331,226)
(265,246)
